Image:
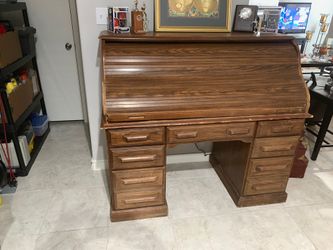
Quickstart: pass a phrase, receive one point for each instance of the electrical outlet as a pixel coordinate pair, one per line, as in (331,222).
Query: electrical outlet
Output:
(101,16)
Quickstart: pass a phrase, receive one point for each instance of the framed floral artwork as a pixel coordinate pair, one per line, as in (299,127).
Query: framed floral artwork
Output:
(192,15)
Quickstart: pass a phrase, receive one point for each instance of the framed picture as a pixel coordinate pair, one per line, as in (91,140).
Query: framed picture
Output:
(192,15)
(244,18)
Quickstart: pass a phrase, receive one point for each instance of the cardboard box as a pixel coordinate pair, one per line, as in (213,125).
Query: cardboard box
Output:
(10,48)
(20,99)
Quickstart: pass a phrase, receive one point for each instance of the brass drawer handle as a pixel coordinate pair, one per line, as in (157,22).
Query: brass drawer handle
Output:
(236,131)
(136,118)
(282,129)
(139,180)
(141,200)
(267,187)
(276,148)
(143,158)
(187,135)
(137,138)
(270,167)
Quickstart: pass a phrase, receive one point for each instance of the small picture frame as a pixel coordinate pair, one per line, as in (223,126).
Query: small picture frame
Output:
(245,17)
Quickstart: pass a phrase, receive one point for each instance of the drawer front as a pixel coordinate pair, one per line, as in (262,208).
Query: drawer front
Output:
(270,166)
(139,199)
(137,157)
(278,146)
(136,137)
(265,185)
(138,179)
(183,134)
(280,128)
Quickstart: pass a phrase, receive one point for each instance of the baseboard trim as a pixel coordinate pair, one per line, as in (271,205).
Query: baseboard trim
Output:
(171,159)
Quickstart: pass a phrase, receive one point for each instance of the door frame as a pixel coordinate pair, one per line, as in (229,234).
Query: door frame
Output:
(79,64)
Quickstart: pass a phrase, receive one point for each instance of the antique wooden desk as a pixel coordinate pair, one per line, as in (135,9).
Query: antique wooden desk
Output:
(244,93)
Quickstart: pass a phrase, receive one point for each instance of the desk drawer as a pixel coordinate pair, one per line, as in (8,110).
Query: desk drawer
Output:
(137,157)
(271,166)
(278,146)
(136,137)
(280,128)
(138,179)
(266,185)
(138,199)
(184,134)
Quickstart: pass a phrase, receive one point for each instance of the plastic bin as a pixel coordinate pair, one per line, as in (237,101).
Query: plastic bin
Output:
(40,124)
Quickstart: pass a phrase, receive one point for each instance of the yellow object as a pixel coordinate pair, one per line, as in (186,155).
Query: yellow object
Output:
(31,144)
(0,200)
(11,86)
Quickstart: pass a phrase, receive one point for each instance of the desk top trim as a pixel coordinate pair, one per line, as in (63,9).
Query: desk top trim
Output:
(194,37)
(201,121)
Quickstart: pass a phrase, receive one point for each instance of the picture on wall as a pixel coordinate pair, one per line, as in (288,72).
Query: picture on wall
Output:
(192,15)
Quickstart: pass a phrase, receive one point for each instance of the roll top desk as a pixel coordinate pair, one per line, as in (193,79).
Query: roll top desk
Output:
(244,93)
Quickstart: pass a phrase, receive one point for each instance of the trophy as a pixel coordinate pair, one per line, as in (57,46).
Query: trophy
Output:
(138,20)
(319,49)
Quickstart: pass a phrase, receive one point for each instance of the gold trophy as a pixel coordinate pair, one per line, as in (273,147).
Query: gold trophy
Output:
(319,49)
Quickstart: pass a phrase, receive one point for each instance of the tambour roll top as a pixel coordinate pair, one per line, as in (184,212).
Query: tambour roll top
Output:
(166,76)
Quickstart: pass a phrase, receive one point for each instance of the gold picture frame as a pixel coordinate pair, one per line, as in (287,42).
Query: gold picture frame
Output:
(183,22)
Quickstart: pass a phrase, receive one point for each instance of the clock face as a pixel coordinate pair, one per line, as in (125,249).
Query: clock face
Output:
(245,13)
(139,18)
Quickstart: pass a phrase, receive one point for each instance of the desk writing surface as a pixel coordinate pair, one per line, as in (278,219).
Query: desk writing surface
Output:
(179,76)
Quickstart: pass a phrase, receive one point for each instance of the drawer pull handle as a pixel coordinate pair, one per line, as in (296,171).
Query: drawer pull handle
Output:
(141,200)
(139,180)
(238,131)
(136,138)
(276,148)
(270,167)
(136,118)
(267,186)
(282,129)
(143,158)
(187,135)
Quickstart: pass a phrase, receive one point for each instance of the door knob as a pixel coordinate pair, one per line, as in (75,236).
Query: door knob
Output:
(68,46)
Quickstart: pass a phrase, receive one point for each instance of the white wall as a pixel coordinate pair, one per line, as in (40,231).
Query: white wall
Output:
(89,33)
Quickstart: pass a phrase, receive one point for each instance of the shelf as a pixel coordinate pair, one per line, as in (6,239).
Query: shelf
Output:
(4,7)
(39,141)
(6,71)
(35,103)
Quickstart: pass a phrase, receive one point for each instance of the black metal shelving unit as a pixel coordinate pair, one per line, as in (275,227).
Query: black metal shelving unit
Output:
(37,104)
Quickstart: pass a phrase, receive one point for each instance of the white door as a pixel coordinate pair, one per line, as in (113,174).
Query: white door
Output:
(57,65)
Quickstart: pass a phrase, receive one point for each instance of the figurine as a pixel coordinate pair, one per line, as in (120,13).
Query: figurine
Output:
(145,18)
(138,19)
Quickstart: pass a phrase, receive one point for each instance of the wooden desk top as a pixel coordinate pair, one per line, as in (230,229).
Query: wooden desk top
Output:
(171,76)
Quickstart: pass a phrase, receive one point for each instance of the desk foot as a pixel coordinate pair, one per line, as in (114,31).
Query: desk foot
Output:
(245,201)
(139,213)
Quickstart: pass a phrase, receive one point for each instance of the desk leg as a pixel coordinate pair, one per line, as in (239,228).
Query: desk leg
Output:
(322,132)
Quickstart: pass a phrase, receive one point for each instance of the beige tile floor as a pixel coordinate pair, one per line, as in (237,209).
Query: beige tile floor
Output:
(63,204)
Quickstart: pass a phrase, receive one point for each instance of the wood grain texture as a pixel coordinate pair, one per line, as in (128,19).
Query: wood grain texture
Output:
(136,157)
(275,146)
(270,166)
(262,185)
(136,137)
(136,199)
(138,179)
(280,128)
(219,76)
(215,132)
(139,213)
